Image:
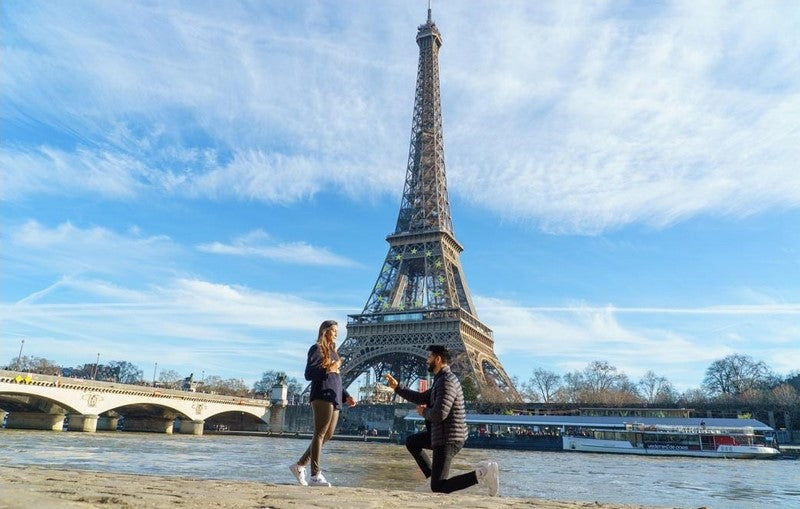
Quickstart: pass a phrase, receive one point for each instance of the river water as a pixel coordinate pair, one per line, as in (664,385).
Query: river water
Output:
(672,482)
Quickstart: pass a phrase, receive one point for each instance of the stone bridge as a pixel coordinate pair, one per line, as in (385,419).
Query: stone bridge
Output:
(34,401)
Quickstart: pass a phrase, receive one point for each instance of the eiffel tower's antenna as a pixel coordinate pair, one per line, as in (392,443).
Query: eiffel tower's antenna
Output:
(429,12)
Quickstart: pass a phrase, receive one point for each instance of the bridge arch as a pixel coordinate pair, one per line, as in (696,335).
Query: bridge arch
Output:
(22,400)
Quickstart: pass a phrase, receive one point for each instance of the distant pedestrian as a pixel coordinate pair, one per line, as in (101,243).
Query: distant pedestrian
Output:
(327,395)
(443,407)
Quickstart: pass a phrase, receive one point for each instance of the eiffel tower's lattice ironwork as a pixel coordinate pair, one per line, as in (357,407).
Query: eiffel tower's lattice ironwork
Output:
(421,296)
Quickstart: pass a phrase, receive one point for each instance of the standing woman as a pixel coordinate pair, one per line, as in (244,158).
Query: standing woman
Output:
(327,395)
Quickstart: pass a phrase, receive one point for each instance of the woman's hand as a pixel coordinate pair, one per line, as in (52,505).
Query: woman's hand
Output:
(334,367)
(350,402)
(390,381)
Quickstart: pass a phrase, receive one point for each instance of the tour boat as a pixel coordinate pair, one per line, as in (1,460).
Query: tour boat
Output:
(665,440)
(673,433)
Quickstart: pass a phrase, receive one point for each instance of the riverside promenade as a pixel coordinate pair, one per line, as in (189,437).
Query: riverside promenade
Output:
(45,488)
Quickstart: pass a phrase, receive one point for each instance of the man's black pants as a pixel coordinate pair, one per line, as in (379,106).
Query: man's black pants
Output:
(442,458)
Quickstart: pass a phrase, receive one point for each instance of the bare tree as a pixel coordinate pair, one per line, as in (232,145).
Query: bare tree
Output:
(752,396)
(693,396)
(127,373)
(600,377)
(786,396)
(33,364)
(667,395)
(572,389)
(228,387)
(656,389)
(170,379)
(599,383)
(794,380)
(623,394)
(736,374)
(543,383)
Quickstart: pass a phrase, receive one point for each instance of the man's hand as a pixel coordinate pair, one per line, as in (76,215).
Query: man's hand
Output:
(390,381)
(350,402)
(421,410)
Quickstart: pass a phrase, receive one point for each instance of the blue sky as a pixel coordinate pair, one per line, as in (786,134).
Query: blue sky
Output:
(199,184)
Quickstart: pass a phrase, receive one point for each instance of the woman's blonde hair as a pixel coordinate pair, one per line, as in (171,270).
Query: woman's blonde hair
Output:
(326,346)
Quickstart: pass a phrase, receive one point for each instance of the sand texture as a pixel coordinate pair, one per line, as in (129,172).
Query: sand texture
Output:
(45,488)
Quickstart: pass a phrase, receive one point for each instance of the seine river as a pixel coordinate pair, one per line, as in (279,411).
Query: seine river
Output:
(672,482)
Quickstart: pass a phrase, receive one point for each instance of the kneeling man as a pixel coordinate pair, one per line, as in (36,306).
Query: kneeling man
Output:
(442,406)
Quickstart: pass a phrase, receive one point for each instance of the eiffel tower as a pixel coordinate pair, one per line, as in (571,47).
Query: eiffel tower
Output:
(421,297)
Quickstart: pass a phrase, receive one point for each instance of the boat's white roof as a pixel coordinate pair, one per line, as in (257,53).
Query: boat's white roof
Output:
(606,422)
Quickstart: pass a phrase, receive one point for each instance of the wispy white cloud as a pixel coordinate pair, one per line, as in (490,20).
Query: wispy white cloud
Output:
(270,177)
(259,244)
(575,119)
(570,337)
(636,119)
(125,295)
(224,111)
(199,323)
(67,249)
(47,170)
(98,288)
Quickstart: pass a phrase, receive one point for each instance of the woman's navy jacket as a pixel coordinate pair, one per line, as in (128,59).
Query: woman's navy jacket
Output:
(324,386)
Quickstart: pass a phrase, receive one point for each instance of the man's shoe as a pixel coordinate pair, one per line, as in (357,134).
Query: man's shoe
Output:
(319,480)
(424,487)
(488,474)
(299,472)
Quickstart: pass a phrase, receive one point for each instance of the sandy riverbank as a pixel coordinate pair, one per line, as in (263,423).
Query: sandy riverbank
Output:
(44,488)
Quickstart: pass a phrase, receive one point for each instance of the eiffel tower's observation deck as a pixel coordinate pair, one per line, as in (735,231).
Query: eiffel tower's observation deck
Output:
(421,296)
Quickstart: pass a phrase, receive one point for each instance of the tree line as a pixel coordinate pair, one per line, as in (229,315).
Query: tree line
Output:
(732,379)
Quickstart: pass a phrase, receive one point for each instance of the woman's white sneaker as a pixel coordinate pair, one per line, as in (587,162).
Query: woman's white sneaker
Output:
(319,480)
(299,472)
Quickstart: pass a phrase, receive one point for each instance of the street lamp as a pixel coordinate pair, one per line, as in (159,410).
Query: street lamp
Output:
(96,362)
(19,357)
(154,374)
